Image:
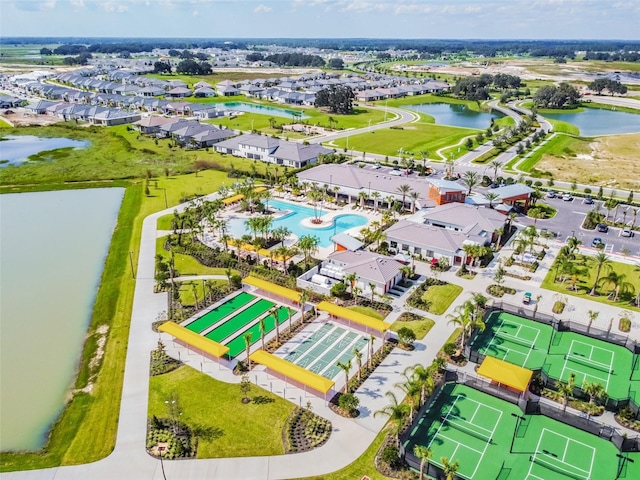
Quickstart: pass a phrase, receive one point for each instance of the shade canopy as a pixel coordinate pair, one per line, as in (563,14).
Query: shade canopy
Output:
(292,371)
(273,288)
(506,373)
(352,315)
(194,339)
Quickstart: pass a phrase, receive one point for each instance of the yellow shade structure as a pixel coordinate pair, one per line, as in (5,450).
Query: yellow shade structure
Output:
(354,316)
(273,288)
(506,373)
(292,371)
(194,339)
(238,197)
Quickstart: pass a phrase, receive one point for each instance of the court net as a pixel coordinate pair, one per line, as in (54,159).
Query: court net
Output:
(557,468)
(465,429)
(588,362)
(518,340)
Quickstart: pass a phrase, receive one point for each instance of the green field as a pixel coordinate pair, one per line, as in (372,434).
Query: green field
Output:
(216,406)
(585,277)
(440,297)
(186,264)
(559,146)
(419,327)
(186,292)
(367,311)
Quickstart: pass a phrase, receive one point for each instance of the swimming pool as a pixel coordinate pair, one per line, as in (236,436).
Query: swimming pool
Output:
(236,226)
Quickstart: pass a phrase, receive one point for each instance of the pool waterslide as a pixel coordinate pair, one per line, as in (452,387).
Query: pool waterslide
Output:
(239,321)
(237,345)
(205,321)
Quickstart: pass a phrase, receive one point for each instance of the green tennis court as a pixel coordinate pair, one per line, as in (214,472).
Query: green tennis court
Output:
(324,348)
(514,339)
(239,321)
(227,308)
(238,345)
(492,439)
(591,360)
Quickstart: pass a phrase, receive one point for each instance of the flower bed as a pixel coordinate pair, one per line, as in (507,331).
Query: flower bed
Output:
(305,431)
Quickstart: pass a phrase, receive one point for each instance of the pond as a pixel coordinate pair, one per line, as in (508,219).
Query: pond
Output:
(264,110)
(594,122)
(455,115)
(18,148)
(52,251)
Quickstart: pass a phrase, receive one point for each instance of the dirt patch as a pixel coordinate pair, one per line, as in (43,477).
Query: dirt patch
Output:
(19,117)
(612,161)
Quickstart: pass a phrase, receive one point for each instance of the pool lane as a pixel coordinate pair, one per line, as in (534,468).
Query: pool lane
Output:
(218,313)
(239,321)
(238,345)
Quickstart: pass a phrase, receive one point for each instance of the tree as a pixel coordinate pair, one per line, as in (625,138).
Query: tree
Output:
(423,454)
(263,330)
(594,390)
(404,189)
(358,356)
(406,336)
(348,402)
(308,244)
(245,388)
(495,164)
(335,63)
(565,390)
(491,197)
(346,368)
(339,99)
(414,198)
(397,414)
(372,288)
(470,179)
(619,283)
(449,469)
(247,343)
(600,261)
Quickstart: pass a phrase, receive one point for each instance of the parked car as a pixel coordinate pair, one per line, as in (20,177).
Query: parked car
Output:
(597,243)
(566,197)
(602,228)
(551,194)
(547,233)
(627,232)
(588,201)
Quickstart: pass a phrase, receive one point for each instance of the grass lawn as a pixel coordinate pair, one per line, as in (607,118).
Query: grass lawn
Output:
(241,430)
(164,222)
(86,429)
(441,296)
(364,465)
(419,327)
(585,277)
(4,124)
(186,290)
(560,146)
(563,127)
(429,98)
(413,137)
(186,264)
(367,311)
(452,338)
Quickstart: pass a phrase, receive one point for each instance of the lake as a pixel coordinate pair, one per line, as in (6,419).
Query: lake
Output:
(263,109)
(594,122)
(19,147)
(52,251)
(455,115)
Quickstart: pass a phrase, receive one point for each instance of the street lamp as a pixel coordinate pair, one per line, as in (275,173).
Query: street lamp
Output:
(369,125)
(518,418)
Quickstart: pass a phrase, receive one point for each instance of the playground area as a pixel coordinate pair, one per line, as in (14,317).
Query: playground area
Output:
(230,321)
(321,351)
(560,354)
(492,439)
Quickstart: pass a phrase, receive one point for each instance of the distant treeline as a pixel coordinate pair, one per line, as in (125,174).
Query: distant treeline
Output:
(600,49)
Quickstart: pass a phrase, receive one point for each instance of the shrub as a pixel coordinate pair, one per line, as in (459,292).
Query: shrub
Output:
(406,336)
(348,402)
(625,324)
(339,290)
(235,281)
(558,307)
(390,455)
(449,348)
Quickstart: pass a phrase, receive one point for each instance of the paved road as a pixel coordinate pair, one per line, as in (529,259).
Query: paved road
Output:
(617,101)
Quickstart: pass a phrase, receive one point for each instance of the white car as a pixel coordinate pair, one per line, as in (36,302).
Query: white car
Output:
(566,197)
(627,232)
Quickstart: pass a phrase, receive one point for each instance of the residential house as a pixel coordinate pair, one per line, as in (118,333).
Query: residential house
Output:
(446,191)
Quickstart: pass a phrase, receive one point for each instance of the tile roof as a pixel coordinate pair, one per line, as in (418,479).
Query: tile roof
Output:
(367,265)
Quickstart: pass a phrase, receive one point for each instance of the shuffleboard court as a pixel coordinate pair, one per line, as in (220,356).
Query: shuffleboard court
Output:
(238,345)
(227,308)
(239,321)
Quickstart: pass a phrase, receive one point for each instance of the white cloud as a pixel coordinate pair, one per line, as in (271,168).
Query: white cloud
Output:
(114,7)
(196,13)
(262,9)
(77,3)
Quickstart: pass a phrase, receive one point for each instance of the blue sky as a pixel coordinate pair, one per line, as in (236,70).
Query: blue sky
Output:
(516,19)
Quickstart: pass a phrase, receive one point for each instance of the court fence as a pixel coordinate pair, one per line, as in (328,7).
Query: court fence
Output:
(548,381)
(529,406)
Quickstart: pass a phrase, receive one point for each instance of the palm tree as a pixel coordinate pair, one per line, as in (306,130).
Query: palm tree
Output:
(370,359)
(253,224)
(424,376)
(350,280)
(593,315)
(414,197)
(276,323)
(491,197)
(424,454)
(308,244)
(424,155)
(600,261)
(565,390)
(356,291)
(372,287)
(397,413)
(376,198)
(263,330)
(499,232)
(247,344)
(495,164)
(404,189)
(305,295)
(470,179)
(449,469)
(358,356)
(595,391)
(619,283)
(412,389)
(346,368)
(363,197)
